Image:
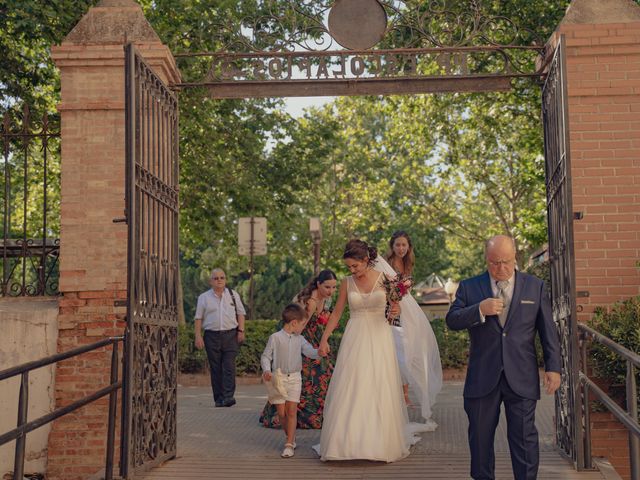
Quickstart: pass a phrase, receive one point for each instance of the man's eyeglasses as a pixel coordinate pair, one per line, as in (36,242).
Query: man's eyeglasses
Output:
(501,263)
(217,278)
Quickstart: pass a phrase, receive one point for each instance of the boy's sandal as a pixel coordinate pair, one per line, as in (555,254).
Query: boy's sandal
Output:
(288,450)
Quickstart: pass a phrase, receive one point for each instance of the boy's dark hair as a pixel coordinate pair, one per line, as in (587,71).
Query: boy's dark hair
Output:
(293,311)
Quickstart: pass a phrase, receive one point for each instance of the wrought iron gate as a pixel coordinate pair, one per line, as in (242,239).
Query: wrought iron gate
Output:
(569,428)
(149,397)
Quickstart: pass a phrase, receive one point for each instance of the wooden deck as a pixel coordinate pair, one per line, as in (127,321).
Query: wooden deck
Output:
(440,467)
(228,443)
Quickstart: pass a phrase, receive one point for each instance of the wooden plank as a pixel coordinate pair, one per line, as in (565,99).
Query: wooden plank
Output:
(429,467)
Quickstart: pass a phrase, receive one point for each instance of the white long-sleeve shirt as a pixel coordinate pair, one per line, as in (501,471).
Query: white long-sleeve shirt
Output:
(284,351)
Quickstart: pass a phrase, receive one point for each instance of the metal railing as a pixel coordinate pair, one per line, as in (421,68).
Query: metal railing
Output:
(19,434)
(628,418)
(30,242)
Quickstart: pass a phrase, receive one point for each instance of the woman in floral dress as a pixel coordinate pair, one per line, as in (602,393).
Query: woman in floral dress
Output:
(315,297)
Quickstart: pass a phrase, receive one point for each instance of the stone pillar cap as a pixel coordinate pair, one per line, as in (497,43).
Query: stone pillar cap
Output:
(113,21)
(598,12)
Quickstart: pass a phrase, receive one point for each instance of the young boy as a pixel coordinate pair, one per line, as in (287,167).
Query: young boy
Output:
(284,351)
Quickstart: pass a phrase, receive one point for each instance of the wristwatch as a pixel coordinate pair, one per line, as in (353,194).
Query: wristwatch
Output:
(240,330)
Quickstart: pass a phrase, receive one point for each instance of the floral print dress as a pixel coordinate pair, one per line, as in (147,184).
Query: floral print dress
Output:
(316,375)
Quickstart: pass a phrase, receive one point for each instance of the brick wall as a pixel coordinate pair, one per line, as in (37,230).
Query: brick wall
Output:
(603,63)
(610,439)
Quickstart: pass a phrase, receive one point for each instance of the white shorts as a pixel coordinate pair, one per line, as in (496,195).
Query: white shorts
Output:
(292,382)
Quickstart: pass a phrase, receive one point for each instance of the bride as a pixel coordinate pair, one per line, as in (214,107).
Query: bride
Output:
(365,416)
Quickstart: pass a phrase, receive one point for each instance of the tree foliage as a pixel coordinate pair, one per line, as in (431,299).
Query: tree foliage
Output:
(451,169)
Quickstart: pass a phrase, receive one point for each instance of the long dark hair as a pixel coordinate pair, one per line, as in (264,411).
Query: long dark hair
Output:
(323,276)
(360,250)
(409,260)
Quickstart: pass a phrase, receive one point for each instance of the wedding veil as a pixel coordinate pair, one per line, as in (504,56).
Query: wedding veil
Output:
(420,347)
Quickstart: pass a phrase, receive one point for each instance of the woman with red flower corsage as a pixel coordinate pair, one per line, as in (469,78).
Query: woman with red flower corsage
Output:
(316,298)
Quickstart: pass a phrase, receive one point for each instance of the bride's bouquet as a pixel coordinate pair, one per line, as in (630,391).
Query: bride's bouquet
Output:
(396,288)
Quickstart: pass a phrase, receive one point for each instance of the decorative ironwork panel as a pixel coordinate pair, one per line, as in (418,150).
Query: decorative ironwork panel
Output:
(310,43)
(149,420)
(561,256)
(30,185)
(311,25)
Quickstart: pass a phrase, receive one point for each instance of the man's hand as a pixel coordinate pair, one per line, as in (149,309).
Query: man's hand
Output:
(266,376)
(551,382)
(241,337)
(199,341)
(491,306)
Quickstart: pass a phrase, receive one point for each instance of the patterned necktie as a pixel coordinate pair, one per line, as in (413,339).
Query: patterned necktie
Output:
(502,295)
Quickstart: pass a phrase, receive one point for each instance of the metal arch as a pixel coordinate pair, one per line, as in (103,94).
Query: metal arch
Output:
(569,415)
(149,431)
(290,50)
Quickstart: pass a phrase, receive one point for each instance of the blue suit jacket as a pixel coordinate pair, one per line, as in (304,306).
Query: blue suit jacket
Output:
(512,349)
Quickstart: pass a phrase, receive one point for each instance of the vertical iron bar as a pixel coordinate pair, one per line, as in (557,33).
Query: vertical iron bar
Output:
(21,441)
(251,252)
(586,405)
(113,399)
(130,128)
(25,196)
(632,408)
(43,259)
(7,204)
(153,225)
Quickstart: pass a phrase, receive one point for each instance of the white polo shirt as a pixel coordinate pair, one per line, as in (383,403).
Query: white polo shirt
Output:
(217,313)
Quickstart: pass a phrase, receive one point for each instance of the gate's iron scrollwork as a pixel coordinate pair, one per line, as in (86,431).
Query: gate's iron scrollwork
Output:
(30,239)
(561,256)
(149,419)
(303,45)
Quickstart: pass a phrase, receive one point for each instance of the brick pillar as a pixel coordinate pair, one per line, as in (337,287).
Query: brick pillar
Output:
(603,63)
(93,256)
(603,73)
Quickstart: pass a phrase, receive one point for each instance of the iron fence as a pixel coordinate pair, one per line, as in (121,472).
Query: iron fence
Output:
(19,434)
(628,418)
(30,204)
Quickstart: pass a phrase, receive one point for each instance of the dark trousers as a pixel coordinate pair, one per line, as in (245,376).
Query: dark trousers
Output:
(222,349)
(484,413)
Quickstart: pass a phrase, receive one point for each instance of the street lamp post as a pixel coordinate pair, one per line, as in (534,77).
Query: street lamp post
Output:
(316,236)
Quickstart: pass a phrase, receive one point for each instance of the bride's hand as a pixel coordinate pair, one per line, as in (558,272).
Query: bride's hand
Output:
(323,348)
(395,309)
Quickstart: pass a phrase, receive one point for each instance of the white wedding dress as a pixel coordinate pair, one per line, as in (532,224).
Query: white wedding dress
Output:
(365,416)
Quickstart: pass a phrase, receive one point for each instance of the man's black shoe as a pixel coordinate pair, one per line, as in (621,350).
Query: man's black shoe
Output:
(229,402)
(219,403)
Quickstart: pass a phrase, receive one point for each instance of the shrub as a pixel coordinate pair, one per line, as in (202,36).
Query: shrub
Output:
(622,325)
(256,333)
(190,359)
(453,345)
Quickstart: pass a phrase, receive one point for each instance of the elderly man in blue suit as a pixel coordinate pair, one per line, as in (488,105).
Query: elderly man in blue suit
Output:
(503,309)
